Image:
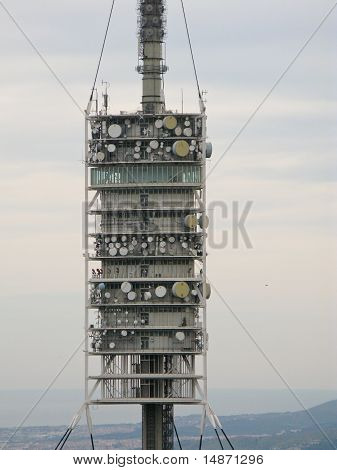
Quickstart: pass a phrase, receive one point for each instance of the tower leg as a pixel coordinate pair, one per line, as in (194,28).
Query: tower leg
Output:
(89,422)
(70,429)
(216,423)
(202,426)
(63,438)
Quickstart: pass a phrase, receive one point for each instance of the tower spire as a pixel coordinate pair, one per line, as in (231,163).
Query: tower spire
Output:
(151,35)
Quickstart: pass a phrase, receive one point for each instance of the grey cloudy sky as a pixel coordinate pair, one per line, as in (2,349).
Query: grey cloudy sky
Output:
(284,162)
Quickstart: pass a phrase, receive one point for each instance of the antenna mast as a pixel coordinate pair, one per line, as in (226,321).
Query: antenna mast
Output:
(151,61)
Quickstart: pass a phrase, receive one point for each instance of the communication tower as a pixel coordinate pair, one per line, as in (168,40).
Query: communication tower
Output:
(145,253)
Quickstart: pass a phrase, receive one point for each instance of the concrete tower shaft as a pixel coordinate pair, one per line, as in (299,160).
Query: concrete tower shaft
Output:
(151,31)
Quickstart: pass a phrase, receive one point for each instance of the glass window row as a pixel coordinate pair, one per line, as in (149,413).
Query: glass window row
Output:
(189,174)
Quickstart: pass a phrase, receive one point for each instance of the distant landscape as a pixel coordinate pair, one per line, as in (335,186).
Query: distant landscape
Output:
(289,430)
(59,405)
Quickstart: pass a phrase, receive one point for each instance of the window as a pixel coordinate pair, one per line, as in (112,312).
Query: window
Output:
(144,342)
(144,269)
(146,174)
(144,200)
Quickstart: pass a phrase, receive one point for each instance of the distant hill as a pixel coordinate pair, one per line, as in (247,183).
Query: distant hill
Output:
(325,414)
(298,429)
(292,430)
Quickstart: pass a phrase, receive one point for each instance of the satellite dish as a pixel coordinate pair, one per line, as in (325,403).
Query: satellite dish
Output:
(150,239)
(160,291)
(187,123)
(188,132)
(123,251)
(194,292)
(184,245)
(107,295)
(181,148)
(107,240)
(180,336)
(144,245)
(114,239)
(170,122)
(132,295)
(101,286)
(124,333)
(191,221)
(154,144)
(162,250)
(137,149)
(178,131)
(134,242)
(111,245)
(111,148)
(112,345)
(149,7)
(118,245)
(208,292)
(209,149)
(204,222)
(124,238)
(147,295)
(159,124)
(172,239)
(126,287)
(113,252)
(100,156)
(136,156)
(115,131)
(180,290)
(162,244)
